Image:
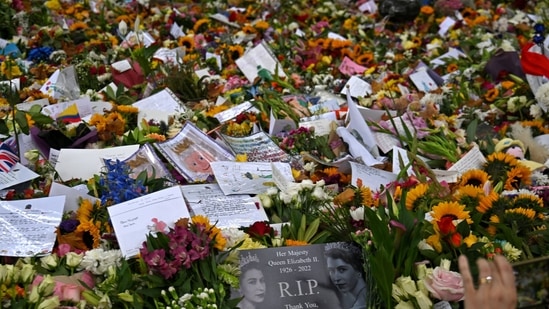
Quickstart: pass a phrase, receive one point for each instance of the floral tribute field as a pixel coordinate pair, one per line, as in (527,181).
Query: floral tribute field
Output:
(417,130)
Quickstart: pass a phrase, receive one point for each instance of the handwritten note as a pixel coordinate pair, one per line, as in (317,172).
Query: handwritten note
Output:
(474,159)
(349,67)
(259,57)
(227,210)
(131,219)
(371,177)
(32,222)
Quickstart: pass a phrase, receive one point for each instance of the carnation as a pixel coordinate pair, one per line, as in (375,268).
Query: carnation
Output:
(542,96)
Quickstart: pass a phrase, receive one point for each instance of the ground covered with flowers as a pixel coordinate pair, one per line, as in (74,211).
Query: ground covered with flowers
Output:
(490,97)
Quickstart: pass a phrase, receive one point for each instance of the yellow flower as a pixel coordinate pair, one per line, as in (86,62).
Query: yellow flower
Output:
(470,240)
(10,69)
(53,5)
(487,202)
(474,177)
(241,157)
(416,195)
(197,28)
(292,242)
(434,241)
(157,137)
(453,209)
(90,229)
(528,213)
(214,233)
(517,177)
(261,25)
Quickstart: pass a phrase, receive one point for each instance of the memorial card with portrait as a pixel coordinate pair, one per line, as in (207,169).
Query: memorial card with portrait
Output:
(320,276)
(191,151)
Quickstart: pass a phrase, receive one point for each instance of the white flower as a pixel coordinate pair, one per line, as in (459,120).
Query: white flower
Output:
(405,305)
(319,193)
(511,253)
(407,284)
(233,236)
(73,259)
(542,96)
(49,262)
(309,166)
(357,214)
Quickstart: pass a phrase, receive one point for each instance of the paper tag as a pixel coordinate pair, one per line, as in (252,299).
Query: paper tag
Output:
(423,81)
(445,26)
(357,87)
(232,112)
(369,6)
(122,66)
(176,31)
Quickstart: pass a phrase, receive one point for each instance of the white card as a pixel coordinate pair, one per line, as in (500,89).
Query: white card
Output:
(371,177)
(243,177)
(259,57)
(131,219)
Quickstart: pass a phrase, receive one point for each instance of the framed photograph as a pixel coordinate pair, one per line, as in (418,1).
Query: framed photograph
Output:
(320,276)
(191,151)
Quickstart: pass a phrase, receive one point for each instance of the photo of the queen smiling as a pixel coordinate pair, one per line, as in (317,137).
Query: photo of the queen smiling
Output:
(252,282)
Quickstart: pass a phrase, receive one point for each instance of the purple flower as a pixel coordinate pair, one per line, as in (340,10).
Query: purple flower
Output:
(68,226)
(154,258)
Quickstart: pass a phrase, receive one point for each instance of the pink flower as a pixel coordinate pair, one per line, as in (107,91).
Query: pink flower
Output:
(445,285)
(63,249)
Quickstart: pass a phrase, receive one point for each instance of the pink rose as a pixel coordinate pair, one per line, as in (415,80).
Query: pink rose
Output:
(68,292)
(445,285)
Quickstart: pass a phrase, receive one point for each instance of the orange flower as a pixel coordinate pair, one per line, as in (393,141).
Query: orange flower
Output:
(427,10)
(261,25)
(292,242)
(452,67)
(186,41)
(365,58)
(507,84)
(491,95)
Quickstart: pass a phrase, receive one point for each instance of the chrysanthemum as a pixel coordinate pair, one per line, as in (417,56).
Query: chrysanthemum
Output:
(517,177)
(474,177)
(416,196)
(453,209)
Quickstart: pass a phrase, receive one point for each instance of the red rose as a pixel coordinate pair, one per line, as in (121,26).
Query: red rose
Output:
(259,229)
(446,225)
(455,240)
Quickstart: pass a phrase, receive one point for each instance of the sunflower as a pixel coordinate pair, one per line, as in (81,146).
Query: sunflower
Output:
(537,126)
(235,52)
(498,164)
(530,214)
(469,196)
(474,177)
(201,25)
(517,177)
(529,200)
(454,210)
(91,235)
(186,41)
(491,95)
(247,29)
(416,196)
(79,25)
(127,109)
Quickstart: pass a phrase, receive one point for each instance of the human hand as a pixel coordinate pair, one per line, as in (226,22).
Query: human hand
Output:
(496,284)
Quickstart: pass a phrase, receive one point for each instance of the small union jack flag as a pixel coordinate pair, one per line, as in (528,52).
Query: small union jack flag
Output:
(7,158)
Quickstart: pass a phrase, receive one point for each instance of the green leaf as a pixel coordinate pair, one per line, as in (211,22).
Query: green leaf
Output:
(21,119)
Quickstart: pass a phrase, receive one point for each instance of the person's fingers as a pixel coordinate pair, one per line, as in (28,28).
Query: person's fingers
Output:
(484,273)
(468,285)
(505,271)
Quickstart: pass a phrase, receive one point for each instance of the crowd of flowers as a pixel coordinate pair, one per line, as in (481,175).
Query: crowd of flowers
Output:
(411,230)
